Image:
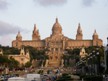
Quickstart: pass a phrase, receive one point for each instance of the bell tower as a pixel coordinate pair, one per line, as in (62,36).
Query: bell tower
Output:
(79,35)
(35,35)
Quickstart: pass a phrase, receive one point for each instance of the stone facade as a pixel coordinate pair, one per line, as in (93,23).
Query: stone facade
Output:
(22,58)
(57,43)
(83,54)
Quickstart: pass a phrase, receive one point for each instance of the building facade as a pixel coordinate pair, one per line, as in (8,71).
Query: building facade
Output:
(57,43)
(22,58)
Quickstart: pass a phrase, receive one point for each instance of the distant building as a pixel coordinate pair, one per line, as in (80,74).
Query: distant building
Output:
(22,58)
(57,43)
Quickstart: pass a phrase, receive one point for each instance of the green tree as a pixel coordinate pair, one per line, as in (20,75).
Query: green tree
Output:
(28,64)
(9,50)
(74,53)
(36,54)
(4,60)
(13,63)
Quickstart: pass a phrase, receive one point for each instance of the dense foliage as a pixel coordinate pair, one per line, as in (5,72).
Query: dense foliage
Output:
(9,50)
(37,54)
(5,62)
(73,54)
(34,53)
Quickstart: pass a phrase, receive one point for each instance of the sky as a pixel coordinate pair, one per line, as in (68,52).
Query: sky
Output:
(21,15)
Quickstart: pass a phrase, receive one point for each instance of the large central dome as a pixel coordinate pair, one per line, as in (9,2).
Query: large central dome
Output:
(56,29)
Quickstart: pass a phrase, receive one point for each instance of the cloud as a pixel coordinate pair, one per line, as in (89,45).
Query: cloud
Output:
(51,2)
(6,40)
(7,32)
(6,28)
(3,4)
(88,2)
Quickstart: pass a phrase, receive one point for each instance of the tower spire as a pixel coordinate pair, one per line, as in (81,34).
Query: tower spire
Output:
(95,38)
(78,24)
(56,20)
(35,28)
(95,35)
(35,35)
(79,34)
(79,30)
(19,37)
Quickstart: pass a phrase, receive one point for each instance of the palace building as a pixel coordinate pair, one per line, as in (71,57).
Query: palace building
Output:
(56,43)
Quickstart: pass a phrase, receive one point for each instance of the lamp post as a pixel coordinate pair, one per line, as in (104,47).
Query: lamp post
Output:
(89,65)
(98,63)
(106,58)
(107,41)
(94,62)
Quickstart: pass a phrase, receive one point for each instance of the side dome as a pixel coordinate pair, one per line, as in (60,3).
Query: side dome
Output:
(56,29)
(18,35)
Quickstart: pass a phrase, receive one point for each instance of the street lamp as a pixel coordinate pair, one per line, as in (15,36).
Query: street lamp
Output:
(93,61)
(107,41)
(98,62)
(106,58)
(91,65)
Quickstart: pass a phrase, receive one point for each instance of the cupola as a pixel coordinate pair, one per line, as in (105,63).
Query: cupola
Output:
(56,29)
(19,37)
